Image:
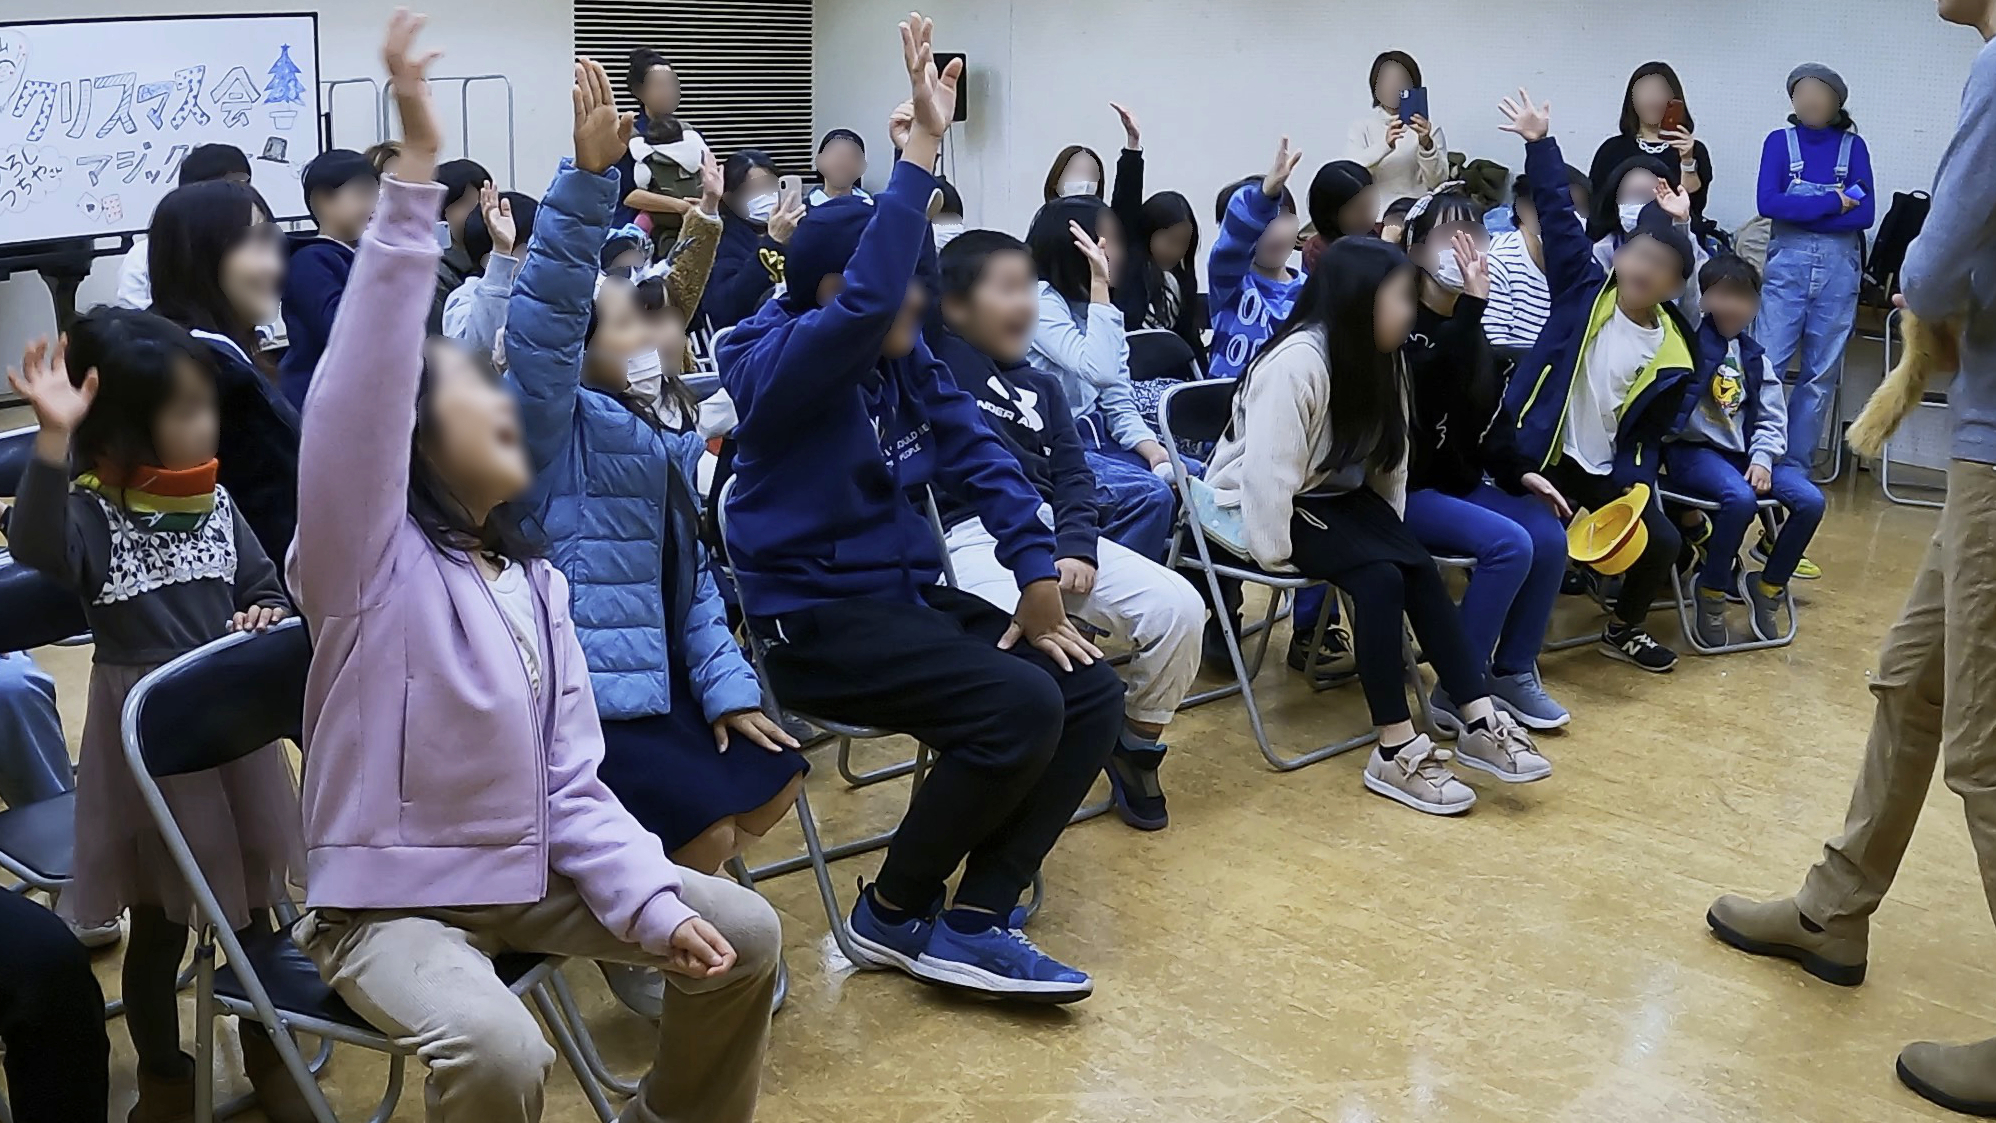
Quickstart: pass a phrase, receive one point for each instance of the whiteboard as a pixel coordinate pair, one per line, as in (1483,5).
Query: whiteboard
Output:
(96,115)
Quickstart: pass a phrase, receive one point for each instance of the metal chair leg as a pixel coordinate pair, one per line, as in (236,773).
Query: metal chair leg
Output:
(819,860)
(204,1031)
(864,779)
(585,1042)
(564,1041)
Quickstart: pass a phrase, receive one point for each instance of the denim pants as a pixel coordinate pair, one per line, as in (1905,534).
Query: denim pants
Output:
(1807,306)
(1708,473)
(34,759)
(1137,508)
(1520,551)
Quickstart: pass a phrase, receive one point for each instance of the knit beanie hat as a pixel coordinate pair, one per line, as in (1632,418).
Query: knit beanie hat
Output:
(823,244)
(1821,74)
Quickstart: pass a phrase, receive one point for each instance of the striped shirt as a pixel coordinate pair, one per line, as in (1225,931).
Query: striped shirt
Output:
(1520,300)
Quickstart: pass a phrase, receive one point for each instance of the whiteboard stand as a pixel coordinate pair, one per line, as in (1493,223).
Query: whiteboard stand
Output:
(1917,434)
(328,94)
(464,83)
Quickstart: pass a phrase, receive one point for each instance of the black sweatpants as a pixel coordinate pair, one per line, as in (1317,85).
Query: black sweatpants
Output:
(1645,579)
(1018,740)
(51,1019)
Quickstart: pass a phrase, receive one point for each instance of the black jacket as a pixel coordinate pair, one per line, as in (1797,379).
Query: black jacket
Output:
(1456,394)
(1141,284)
(257,453)
(747,265)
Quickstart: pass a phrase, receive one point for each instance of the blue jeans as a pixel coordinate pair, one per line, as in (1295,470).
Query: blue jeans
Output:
(1808,304)
(34,759)
(1709,473)
(1520,551)
(1137,508)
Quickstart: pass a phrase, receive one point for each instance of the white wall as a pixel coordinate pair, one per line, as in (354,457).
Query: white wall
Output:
(531,41)
(1215,84)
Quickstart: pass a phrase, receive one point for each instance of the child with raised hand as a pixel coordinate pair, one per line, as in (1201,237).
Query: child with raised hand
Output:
(164,562)
(1315,460)
(1253,288)
(340,188)
(1730,450)
(844,411)
(496,237)
(453,806)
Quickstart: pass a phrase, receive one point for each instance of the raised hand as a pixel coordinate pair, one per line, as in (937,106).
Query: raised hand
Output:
(1280,171)
(1096,251)
(408,78)
(1526,118)
(711,185)
(1474,264)
(602,135)
(43,382)
(900,123)
(1133,132)
(498,212)
(932,94)
(1675,201)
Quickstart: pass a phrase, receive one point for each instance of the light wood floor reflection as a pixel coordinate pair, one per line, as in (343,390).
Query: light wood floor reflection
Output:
(1295,949)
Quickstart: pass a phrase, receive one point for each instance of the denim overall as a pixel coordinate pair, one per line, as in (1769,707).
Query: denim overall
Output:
(1808,304)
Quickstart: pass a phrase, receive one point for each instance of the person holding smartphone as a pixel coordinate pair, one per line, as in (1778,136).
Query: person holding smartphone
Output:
(1815,186)
(1396,142)
(1656,122)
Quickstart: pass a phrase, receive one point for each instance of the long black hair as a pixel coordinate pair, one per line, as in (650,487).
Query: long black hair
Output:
(193,229)
(438,513)
(1163,211)
(1632,124)
(136,356)
(1060,262)
(1368,388)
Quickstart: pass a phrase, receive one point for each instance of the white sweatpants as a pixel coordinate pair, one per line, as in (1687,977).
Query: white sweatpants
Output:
(1135,600)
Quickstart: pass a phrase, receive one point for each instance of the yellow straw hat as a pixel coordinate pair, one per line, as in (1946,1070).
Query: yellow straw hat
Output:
(1611,539)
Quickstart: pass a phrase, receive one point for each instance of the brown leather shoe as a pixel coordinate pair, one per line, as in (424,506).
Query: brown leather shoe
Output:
(1834,955)
(1957,1077)
(276,1092)
(165,1099)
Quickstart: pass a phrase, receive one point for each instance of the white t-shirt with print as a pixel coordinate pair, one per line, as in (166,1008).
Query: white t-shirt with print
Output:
(1620,352)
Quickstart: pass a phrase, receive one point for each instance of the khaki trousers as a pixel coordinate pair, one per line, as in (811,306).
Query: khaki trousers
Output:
(425,978)
(1936,692)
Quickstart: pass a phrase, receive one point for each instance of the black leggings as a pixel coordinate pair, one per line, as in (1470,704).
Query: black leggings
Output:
(1649,576)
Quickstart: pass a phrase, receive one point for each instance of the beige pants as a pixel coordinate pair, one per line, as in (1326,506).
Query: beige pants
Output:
(1936,691)
(425,978)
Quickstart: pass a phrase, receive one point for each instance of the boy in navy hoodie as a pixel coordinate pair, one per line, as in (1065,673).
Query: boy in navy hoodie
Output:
(340,188)
(844,411)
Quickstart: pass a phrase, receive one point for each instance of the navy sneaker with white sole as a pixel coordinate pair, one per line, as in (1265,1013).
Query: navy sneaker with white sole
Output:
(1001,963)
(882,945)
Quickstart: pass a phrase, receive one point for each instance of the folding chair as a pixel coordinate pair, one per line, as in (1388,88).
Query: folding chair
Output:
(1160,353)
(1684,592)
(1930,400)
(16,447)
(38,840)
(207,708)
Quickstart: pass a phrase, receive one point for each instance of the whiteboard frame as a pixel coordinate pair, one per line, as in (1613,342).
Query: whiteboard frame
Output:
(318,106)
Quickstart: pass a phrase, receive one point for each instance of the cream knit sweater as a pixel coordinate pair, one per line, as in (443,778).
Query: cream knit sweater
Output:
(1402,171)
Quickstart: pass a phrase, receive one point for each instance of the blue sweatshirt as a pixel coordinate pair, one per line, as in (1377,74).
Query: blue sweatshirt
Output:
(833,436)
(1247,307)
(313,283)
(1819,213)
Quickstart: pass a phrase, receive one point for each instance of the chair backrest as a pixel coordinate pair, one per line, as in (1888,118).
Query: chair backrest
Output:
(1197,411)
(219,702)
(714,345)
(1161,353)
(16,446)
(36,610)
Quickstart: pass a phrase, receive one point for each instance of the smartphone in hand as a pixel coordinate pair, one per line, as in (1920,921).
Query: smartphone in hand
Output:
(789,190)
(1414,103)
(1855,191)
(1673,114)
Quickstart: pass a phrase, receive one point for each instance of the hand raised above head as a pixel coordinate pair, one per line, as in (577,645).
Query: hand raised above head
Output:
(1523,116)
(602,135)
(931,93)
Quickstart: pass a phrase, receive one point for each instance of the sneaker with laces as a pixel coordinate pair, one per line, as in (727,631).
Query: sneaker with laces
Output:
(1524,697)
(1767,609)
(1332,662)
(882,945)
(1632,643)
(1710,624)
(1000,962)
(1418,776)
(1805,570)
(1504,750)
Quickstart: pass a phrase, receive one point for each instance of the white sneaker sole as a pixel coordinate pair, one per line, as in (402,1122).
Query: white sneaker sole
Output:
(1381,787)
(879,957)
(1507,777)
(98,935)
(964,976)
(1535,724)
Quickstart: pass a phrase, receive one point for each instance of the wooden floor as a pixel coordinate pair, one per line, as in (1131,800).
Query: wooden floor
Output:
(1296,949)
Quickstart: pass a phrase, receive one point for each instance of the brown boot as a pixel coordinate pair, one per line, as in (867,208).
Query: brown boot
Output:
(277,1094)
(165,1099)
(1834,955)
(1957,1077)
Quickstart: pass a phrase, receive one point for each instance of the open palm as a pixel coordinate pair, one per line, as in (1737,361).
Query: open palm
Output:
(43,382)
(932,94)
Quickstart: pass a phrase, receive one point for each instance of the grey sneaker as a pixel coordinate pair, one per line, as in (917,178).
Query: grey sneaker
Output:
(1419,776)
(1524,697)
(1767,610)
(1504,750)
(1711,622)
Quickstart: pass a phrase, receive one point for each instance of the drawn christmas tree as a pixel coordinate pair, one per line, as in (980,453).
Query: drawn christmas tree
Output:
(285,89)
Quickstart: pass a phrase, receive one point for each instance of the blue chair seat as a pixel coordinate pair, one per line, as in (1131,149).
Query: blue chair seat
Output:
(41,837)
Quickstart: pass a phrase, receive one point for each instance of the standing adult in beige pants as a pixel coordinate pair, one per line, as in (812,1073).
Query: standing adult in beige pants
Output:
(1936,679)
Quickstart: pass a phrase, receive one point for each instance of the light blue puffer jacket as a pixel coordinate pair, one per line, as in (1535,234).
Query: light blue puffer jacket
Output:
(600,484)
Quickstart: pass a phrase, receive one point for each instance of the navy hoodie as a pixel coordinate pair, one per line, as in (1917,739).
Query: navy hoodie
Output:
(257,453)
(747,264)
(833,436)
(313,284)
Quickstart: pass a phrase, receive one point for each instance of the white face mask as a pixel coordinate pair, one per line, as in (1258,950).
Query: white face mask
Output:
(1071,188)
(1630,212)
(646,373)
(946,232)
(1447,271)
(762,206)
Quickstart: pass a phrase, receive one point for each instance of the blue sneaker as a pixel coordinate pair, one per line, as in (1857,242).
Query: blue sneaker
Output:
(1524,697)
(1001,963)
(882,945)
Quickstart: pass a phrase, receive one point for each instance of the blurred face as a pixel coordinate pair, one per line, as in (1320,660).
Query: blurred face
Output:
(842,163)
(253,273)
(1647,273)
(344,213)
(184,431)
(907,328)
(659,91)
(668,336)
(1359,214)
(1393,311)
(1731,307)
(459,209)
(1081,176)
(1525,216)
(1169,245)
(757,188)
(1392,79)
(633,258)
(1638,187)
(1651,94)
(1436,253)
(1970,13)
(1815,102)
(621,332)
(1277,243)
(998,315)
(472,431)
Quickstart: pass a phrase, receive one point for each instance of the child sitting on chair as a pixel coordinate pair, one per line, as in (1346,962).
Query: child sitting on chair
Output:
(1730,451)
